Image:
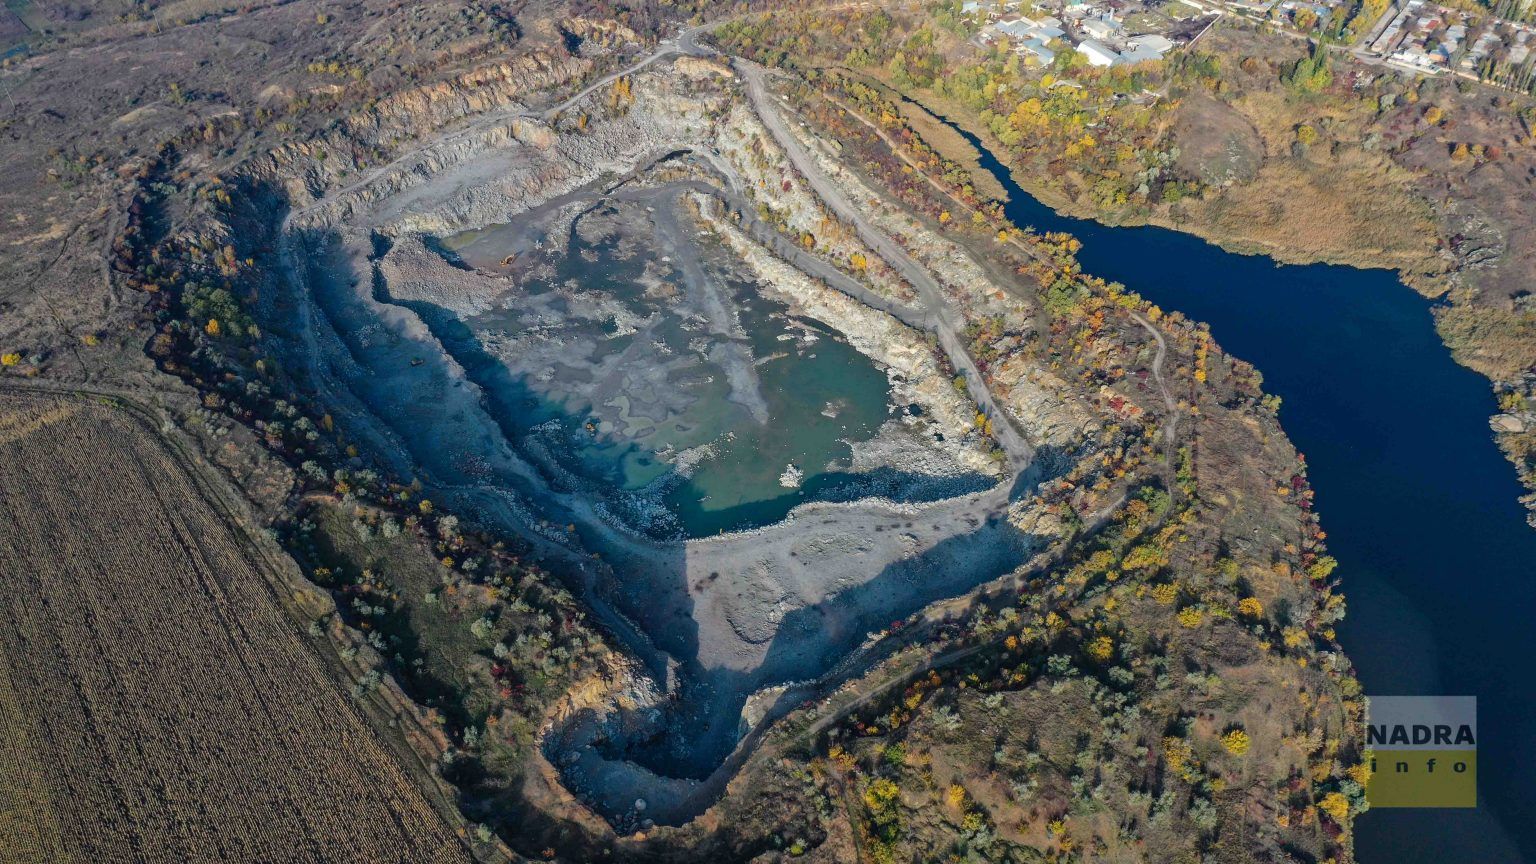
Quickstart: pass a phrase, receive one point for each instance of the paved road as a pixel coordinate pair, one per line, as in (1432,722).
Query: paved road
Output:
(939,317)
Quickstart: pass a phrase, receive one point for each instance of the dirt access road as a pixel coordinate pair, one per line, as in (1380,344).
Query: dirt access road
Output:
(685,44)
(1169,431)
(940,316)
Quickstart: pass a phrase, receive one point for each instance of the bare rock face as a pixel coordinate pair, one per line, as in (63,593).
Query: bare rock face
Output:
(486,88)
(1044,404)
(415,274)
(1506,423)
(535,134)
(702,67)
(488,94)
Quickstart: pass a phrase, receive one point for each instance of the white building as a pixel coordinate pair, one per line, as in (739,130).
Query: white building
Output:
(1045,29)
(1152,42)
(1139,55)
(1415,59)
(1097,52)
(1016,28)
(1097,28)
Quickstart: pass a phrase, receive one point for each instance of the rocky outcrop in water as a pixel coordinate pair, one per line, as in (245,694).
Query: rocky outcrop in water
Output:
(411,274)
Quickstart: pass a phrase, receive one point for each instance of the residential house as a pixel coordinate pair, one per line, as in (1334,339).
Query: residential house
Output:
(1036,49)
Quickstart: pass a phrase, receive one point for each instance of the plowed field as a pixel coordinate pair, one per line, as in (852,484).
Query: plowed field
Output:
(157,703)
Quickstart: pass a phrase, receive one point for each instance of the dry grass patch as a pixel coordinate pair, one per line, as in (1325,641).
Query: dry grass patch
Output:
(1337,202)
(1499,343)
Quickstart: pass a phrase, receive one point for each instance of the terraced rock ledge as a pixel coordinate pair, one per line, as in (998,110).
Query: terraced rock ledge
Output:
(460,313)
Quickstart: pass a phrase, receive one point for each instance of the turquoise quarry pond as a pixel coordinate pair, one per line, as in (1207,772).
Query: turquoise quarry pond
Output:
(615,406)
(1437,562)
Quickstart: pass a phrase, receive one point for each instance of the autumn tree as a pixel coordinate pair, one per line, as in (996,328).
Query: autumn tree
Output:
(1236,742)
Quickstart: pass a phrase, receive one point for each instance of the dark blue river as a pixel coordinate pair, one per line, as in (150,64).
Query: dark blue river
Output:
(1437,561)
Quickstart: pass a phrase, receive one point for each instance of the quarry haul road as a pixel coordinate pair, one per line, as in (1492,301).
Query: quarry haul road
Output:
(1169,432)
(686,44)
(939,313)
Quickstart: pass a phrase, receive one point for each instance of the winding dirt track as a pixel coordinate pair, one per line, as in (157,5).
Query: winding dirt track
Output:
(685,43)
(1171,431)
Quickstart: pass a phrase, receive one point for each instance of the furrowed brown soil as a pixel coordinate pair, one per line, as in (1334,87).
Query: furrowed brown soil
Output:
(157,703)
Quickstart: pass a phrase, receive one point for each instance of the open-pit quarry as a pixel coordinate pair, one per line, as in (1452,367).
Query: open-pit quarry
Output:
(646,332)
